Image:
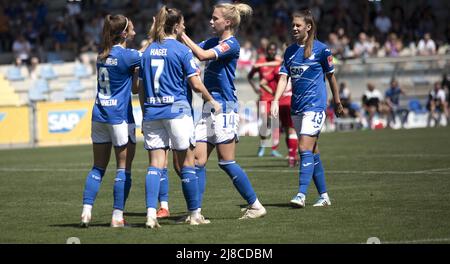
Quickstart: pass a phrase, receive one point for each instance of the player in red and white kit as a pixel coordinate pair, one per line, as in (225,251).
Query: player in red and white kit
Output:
(268,67)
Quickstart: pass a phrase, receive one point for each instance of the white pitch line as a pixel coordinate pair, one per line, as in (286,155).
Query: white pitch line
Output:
(430,240)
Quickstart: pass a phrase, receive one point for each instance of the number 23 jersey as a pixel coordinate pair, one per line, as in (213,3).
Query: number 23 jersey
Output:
(114,81)
(308,76)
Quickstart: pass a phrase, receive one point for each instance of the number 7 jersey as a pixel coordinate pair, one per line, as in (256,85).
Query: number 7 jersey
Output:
(114,81)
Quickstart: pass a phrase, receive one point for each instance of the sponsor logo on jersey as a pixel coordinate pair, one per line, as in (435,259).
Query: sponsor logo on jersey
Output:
(64,121)
(297,71)
(223,47)
(330,60)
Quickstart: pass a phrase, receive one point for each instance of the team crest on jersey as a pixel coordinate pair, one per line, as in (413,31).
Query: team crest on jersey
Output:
(330,60)
(223,47)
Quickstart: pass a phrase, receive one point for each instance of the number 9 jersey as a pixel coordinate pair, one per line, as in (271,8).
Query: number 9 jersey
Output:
(115,74)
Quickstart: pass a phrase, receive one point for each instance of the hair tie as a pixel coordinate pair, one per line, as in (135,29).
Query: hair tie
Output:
(126,25)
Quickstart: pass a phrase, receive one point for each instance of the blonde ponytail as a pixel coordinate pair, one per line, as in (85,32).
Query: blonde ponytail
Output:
(234,13)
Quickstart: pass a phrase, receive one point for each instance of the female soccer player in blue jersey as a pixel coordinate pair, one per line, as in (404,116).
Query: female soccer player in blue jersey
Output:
(167,115)
(306,62)
(220,130)
(112,116)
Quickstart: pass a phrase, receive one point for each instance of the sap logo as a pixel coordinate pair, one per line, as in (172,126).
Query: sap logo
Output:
(2,116)
(297,71)
(64,121)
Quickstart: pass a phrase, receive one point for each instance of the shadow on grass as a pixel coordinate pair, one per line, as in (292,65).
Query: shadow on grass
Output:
(77,225)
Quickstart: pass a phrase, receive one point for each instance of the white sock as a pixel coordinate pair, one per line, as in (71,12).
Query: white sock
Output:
(118,214)
(256,204)
(87,209)
(195,213)
(325,196)
(165,205)
(151,212)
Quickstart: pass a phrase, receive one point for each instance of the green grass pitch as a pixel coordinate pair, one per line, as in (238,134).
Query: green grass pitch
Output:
(393,185)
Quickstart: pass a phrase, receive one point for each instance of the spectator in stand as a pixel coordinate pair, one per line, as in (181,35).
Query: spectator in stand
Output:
(364,47)
(446,86)
(336,47)
(94,29)
(22,49)
(392,96)
(346,100)
(371,102)
(5,35)
(393,45)
(383,23)
(426,46)
(436,105)
(60,35)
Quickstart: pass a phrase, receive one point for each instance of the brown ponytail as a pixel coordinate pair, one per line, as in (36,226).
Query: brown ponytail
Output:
(164,23)
(309,20)
(113,29)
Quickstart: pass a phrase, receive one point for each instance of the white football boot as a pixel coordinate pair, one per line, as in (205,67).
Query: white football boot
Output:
(298,201)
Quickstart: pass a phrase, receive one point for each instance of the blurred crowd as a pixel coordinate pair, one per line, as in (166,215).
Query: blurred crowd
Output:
(352,29)
(393,105)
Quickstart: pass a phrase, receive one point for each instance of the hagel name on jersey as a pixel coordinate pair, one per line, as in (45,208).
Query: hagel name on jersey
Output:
(158,52)
(64,121)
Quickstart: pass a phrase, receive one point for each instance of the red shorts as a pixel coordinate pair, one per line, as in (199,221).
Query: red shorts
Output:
(285,116)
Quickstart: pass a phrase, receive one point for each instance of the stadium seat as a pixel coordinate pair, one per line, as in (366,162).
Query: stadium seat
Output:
(14,74)
(39,91)
(81,71)
(48,73)
(71,90)
(53,57)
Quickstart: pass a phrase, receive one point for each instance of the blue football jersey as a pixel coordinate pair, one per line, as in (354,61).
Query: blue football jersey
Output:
(164,69)
(220,73)
(115,74)
(308,76)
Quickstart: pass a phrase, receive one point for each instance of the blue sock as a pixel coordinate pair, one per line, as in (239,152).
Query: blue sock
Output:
(200,171)
(240,180)
(164,186)
(189,183)
(119,189)
(92,185)
(319,175)
(128,182)
(306,170)
(152,181)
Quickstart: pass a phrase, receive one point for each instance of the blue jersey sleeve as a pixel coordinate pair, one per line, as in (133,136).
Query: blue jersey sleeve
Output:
(189,65)
(132,58)
(227,49)
(202,44)
(326,60)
